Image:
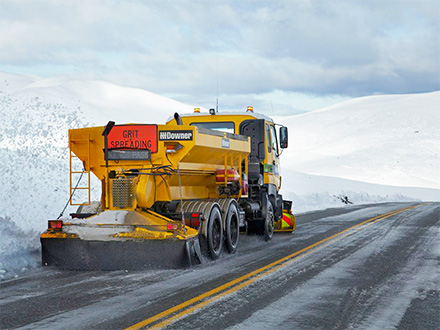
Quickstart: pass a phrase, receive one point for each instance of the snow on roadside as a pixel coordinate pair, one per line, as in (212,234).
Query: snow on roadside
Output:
(19,249)
(324,200)
(314,192)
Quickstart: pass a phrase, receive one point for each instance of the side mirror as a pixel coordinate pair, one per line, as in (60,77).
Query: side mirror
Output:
(283,137)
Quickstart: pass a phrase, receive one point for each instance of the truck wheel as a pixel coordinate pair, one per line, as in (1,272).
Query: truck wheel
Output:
(214,233)
(232,230)
(269,222)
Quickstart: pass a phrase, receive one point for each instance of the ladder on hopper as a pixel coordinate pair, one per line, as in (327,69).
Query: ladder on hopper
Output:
(73,172)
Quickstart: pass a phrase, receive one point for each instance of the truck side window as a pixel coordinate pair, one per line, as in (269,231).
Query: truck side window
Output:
(269,148)
(274,139)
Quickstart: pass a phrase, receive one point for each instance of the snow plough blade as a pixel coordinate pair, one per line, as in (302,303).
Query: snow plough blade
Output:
(131,241)
(286,224)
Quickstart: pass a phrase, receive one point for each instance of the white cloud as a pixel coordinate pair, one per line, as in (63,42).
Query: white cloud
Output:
(345,47)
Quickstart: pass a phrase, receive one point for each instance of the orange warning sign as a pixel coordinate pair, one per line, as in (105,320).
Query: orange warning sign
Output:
(133,137)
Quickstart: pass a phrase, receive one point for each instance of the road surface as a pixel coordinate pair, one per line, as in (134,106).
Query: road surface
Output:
(359,267)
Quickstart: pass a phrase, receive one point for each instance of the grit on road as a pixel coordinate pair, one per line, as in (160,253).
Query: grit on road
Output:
(372,266)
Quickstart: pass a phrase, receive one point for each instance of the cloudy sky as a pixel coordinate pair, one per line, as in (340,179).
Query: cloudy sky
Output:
(285,55)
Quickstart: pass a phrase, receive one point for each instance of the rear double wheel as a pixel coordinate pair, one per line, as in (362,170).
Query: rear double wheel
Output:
(214,237)
(232,228)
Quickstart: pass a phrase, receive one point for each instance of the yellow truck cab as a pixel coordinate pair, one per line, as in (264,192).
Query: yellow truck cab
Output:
(262,166)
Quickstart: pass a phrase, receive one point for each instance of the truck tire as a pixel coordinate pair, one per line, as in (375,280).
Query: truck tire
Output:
(214,233)
(232,228)
(269,222)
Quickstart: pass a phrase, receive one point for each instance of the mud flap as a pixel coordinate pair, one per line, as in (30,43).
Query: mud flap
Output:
(193,252)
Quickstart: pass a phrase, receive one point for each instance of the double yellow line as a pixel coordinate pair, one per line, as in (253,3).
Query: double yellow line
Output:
(179,311)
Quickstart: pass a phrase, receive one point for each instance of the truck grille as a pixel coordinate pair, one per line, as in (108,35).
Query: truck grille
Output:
(122,193)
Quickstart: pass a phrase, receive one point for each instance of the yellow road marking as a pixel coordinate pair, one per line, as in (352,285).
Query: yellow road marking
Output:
(233,286)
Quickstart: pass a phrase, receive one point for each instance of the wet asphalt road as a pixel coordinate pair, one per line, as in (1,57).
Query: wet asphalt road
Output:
(359,267)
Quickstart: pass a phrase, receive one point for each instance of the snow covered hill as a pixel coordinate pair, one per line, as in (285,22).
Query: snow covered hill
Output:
(390,140)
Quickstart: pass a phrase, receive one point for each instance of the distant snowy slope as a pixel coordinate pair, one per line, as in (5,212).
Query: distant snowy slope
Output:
(388,140)
(99,101)
(11,82)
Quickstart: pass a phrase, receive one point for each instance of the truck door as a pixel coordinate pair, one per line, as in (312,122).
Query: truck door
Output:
(256,130)
(272,162)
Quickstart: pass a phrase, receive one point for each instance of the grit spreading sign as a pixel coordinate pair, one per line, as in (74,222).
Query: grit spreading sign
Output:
(133,137)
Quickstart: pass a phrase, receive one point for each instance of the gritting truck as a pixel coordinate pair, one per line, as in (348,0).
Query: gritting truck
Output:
(172,195)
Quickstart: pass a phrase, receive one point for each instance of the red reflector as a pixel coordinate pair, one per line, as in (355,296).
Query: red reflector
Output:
(232,174)
(194,215)
(55,224)
(172,226)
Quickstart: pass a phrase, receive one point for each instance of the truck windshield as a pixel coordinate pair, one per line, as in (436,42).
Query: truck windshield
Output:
(226,126)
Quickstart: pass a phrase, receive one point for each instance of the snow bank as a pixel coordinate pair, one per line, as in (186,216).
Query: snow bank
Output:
(313,192)
(324,200)
(19,249)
